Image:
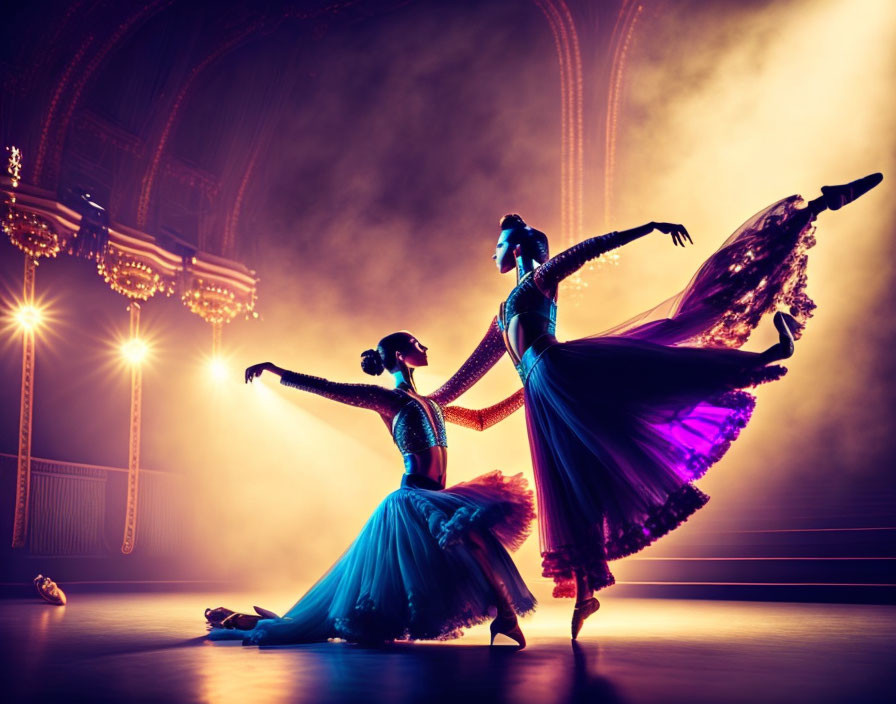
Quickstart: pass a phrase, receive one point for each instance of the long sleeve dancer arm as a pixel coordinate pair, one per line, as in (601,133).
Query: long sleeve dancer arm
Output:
(486,417)
(549,275)
(375,398)
(483,358)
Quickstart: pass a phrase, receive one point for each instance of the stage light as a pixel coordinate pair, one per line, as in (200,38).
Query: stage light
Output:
(217,367)
(28,317)
(134,350)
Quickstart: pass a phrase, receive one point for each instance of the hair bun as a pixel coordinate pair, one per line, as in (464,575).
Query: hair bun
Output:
(372,362)
(512,221)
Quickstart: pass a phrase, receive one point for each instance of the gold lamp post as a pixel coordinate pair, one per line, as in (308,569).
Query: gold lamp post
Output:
(218,296)
(132,272)
(135,266)
(36,238)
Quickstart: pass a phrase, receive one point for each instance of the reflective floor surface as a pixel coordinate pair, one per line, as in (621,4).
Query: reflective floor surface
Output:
(129,647)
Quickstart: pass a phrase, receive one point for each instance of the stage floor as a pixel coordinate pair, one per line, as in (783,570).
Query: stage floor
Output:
(127,647)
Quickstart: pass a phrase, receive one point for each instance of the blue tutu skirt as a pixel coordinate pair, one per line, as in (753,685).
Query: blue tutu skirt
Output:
(410,573)
(620,424)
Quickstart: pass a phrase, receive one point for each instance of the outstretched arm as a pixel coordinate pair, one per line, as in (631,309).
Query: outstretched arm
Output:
(551,273)
(486,417)
(484,357)
(376,398)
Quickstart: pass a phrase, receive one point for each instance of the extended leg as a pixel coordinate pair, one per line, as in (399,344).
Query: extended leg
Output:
(506,622)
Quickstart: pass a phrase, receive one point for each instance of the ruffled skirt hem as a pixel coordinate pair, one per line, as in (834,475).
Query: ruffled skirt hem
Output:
(561,564)
(509,511)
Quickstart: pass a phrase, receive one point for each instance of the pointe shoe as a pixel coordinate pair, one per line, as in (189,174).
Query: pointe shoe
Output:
(785,324)
(509,627)
(242,622)
(49,591)
(581,612)
(835,197)
(217,616)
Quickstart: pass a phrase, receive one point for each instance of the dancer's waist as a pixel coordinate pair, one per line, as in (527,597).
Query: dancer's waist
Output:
(533,354)
(420,481)
(426,469)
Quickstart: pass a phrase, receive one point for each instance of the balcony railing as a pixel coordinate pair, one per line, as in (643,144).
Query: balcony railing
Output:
(78,509)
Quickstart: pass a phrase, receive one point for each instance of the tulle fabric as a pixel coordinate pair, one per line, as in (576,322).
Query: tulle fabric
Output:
(759,269)
(410,573)
(622,423)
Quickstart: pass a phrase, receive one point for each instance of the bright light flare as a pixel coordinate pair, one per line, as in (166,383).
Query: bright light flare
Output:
(218,369)
(134,350)
(259,389)
(28,317)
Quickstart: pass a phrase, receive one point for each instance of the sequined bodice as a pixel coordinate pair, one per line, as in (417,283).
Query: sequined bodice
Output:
(527,316)
(412,429)
(527,299)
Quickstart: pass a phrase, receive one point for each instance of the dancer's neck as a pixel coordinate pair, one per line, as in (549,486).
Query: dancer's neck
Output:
(404,378)
(524,267)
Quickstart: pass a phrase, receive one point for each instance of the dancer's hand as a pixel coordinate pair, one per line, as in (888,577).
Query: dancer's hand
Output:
(256,370)
(678,232)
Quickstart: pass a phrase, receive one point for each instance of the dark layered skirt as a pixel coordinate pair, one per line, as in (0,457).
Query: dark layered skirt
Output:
(410,573)
(622,423)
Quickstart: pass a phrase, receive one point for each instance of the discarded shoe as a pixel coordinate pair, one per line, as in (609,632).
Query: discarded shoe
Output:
(49,590)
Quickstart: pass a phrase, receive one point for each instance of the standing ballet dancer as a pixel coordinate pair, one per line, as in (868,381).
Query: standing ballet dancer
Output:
(622,423)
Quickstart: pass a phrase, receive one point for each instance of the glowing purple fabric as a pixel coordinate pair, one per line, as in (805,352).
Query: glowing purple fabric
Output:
(620,424)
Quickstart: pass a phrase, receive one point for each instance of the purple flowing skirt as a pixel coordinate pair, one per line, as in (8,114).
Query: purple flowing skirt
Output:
(410,573)
(622,423)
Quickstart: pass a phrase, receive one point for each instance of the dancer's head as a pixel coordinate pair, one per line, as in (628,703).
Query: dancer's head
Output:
(518,238)
(392,352)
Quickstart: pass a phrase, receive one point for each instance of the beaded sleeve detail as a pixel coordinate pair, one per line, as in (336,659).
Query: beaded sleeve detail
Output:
(370,396)
(483,358)
(549,275)
(486,417)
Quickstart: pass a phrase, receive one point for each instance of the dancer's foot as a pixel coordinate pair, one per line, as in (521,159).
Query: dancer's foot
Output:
(264,613)
(510,627)
(243,622)
(835,197)
(222,617)
(786,325)
(581,612)
(49,591)
(216,616)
